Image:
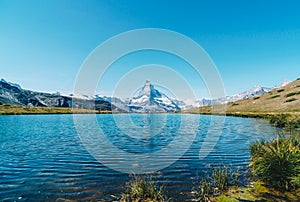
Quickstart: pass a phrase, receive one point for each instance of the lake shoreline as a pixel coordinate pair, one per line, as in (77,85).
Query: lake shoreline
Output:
(7,109)
(263,115)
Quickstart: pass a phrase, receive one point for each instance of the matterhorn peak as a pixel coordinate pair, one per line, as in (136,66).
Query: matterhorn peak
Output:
(147,88)
(150,99)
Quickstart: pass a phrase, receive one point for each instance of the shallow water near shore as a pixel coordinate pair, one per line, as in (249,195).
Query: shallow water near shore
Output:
(43,158)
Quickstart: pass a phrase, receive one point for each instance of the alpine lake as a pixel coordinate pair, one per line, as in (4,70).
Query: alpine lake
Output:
(91,157)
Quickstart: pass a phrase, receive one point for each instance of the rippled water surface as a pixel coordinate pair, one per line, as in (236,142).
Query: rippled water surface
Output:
(44,159)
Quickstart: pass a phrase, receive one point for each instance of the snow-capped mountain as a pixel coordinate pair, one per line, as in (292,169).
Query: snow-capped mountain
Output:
(118,102)
(150,99)
(284,83)
(258,90)
(147,100)
(11,84)
(79,96)
(185,104)
(11,93)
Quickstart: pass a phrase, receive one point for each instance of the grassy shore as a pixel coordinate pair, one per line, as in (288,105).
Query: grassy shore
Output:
(208,110)
(17,109)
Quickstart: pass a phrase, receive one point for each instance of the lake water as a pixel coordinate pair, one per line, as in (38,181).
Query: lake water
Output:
(42,158)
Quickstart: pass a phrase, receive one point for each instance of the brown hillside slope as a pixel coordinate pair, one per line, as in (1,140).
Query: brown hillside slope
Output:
(284,99)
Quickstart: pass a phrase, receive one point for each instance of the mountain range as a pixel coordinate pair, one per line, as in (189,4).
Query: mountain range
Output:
(11,93)
(258,90)
(147,100)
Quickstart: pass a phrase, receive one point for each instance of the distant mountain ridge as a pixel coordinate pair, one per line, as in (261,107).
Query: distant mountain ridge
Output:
(11,93)
(147,100)
(258,90)
(12,84)
(150,99)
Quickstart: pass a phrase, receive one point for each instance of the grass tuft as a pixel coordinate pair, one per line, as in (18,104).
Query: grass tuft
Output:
(221,180)
(143,189)
(285,121)
(292,94)
(204,191)
(275,96)
(277,162)
(224,198)
(291,100)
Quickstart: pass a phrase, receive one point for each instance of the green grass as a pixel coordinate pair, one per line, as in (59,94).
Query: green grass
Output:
(221,180)
(221,177)
(224,198)
(285,121)
(258,191)
(277,162)
(274,96)
(292,94)
(143,189)
(291,100)
(225,177)
(204,191)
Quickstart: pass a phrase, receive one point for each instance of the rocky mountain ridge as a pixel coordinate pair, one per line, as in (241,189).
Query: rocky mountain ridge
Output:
(13,94)
(147,100)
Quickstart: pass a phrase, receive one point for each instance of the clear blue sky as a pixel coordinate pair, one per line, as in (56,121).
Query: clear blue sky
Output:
(44,43)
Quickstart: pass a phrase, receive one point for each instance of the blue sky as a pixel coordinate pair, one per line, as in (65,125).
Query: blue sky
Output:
(44,43)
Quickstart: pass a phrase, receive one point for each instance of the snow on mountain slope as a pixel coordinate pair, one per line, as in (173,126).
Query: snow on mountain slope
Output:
(12,84)
(284,83)
(78,96)
(147,100)
(11,93)
(118,102)
(258,90)
(150,99)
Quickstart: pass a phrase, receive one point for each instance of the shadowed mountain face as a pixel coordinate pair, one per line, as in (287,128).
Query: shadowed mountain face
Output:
(150,99)
(13,94)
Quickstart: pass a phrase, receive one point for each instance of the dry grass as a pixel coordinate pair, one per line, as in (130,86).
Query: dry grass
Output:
(285,100)
(17,109)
